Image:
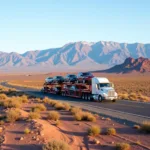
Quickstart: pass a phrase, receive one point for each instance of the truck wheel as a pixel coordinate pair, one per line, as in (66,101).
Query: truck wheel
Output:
(100,99)
(89,97)
(83,96)
(86,96)
(113,100)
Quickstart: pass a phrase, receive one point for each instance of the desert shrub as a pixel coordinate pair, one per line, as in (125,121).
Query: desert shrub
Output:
(13,115)
(27,131)
(111,131)
(12,103)
(34,115)
(143,98)
(84,116)
(123,96)
(59,106)
(66,106)
(146,126)
(53,115)
(56,145)
(3,97)
(53,102)
(39,107)
(94,130)
(75,110)
(24,99)
(38,100)
(57,123)
(133,96)
(2,122)
(122,146)
(46,100)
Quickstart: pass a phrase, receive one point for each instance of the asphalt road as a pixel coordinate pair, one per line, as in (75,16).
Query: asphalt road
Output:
(128,110)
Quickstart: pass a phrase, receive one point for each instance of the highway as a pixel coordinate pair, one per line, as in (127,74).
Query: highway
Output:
(135,112)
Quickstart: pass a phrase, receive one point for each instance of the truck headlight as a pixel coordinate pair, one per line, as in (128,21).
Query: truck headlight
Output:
(116,94)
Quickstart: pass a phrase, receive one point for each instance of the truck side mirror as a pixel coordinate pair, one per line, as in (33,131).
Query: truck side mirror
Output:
(112,85)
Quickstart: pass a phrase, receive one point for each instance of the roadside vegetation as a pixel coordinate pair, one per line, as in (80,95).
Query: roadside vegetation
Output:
(37,111)
(56,145)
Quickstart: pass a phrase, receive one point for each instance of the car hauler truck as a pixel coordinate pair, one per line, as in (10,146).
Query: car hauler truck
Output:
(98,88)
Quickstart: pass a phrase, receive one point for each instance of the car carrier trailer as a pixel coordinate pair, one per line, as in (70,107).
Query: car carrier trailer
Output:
(98,88)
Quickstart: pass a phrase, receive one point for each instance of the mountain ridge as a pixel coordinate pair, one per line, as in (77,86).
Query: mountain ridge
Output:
(130,65)
(99,55)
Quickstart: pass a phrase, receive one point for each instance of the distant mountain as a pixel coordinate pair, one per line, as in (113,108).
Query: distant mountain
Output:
(130,65)
(76,55)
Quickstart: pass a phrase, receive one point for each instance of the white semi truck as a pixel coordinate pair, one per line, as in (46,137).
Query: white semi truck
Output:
(99,88)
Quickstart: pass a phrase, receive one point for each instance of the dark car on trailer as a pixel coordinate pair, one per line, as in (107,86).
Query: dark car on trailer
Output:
(58,79)
(84,77)
(70,78)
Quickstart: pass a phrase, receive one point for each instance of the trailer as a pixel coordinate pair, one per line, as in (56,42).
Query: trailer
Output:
(98,88)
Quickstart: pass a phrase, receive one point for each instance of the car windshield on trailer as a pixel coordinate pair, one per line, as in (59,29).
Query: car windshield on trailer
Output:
(86,74)
(59,77)
(72,75)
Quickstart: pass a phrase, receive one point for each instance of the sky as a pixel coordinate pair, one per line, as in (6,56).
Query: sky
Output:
(41,24)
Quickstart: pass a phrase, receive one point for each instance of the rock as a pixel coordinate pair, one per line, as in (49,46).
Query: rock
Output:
(113,124)
(103,118)
(108,119)
(21,138)
(95,141)
(34,138)
(112,142)
(37,139)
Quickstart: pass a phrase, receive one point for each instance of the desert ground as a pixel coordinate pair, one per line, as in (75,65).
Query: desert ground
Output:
(28,122)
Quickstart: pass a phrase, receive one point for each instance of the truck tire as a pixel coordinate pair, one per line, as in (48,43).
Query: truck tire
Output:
(83,96)
(113,100)
(89,97)
(86,96)
(100,98)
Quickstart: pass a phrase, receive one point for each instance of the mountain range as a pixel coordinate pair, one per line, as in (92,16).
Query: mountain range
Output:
(74,56)
(130,65)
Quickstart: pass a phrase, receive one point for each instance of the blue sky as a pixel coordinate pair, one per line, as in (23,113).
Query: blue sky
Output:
(40,24)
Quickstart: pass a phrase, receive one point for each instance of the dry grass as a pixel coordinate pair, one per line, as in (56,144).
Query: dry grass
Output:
(34,115)
(56,145)
(123,146)
(24,99)
(94,130)
(146,126)
(27,131)
(59,106)
(12,103)
(53,115)
(84,116)
(3,96)
(111,131)
(75,110)
(38,108)
(66,106)
(12,115)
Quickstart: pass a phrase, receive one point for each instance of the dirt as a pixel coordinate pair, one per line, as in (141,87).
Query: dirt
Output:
(70,131)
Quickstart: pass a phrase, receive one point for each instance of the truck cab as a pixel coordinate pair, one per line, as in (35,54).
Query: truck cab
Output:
(102,89)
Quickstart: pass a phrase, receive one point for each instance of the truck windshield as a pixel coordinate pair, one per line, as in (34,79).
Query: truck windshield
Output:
(104,85)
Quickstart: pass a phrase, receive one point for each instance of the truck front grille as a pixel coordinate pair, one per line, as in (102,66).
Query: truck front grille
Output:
(111,93)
